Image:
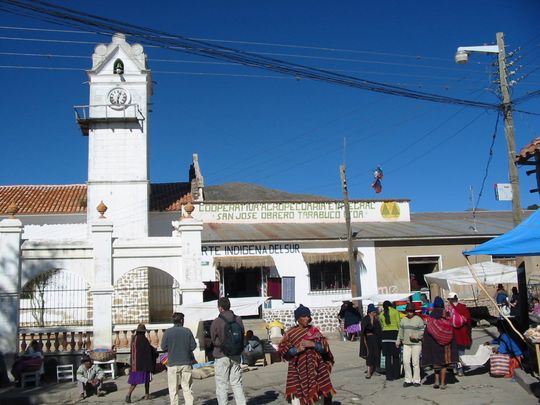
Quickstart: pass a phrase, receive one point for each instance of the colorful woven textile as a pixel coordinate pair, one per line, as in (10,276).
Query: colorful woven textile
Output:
(499,364)
(308,376)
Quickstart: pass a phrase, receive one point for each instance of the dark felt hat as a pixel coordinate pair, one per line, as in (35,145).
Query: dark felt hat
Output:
(301,311)
(141,328)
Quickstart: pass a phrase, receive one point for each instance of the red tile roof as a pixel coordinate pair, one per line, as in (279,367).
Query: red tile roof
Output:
(169,196)
(71,198)
(528,151)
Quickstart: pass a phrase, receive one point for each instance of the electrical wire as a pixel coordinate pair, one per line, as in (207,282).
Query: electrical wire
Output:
(66,16)
(363,61)
(270,44)
(490,157)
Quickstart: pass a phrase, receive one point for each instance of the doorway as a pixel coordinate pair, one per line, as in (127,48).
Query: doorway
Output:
(419,266)
(242,282)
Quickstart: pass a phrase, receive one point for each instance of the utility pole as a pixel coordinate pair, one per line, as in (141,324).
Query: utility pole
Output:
(509,131)
(356,289)
(462,56)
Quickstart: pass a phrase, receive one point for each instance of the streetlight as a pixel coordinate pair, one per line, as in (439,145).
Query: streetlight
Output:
(462,56)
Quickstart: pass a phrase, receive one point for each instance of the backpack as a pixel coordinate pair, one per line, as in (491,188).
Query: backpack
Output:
(233,339)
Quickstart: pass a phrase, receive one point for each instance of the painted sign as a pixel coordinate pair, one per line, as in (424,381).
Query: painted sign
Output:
(302,212)
(250,250)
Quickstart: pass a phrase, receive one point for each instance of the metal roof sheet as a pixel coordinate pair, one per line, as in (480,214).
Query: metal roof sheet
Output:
(421,226)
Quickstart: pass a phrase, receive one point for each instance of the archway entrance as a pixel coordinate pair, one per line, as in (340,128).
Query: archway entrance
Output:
(145,294)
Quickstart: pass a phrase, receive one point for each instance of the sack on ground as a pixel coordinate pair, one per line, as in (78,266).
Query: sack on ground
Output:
(499,364)
(233,339)
(202,372)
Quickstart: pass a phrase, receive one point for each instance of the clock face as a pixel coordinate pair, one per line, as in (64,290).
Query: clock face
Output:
(118,97)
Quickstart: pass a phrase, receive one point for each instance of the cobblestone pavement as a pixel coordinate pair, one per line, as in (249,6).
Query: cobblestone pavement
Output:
(266,385)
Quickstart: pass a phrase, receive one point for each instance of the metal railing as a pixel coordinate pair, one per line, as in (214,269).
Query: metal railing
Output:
(106,111)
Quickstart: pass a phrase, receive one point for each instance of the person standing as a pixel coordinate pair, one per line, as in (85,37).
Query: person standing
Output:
(462,327)
(390,327)
(89,378)
(439,347)
(143,362)
(227,366)
(411,331)
(351,321)
(370,341)
(501,295)
(179,342)
(515,304)
(310,362)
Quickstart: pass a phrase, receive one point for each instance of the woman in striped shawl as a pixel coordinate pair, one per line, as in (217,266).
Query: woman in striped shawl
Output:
(310,362)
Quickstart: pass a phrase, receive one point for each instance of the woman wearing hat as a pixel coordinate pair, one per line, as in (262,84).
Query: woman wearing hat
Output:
(310,362)
(143,360)
(370,341)
(411,332)
(439,348)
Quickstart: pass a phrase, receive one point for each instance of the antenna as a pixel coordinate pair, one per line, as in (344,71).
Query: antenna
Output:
(471,197)
(344,150)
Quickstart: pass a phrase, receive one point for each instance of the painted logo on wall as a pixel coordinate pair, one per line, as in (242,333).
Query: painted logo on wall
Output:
(390,210)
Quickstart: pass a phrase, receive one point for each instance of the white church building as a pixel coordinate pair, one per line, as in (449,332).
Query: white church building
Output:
(82,264)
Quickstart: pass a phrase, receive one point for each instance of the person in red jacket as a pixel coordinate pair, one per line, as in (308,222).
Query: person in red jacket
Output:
(462,327)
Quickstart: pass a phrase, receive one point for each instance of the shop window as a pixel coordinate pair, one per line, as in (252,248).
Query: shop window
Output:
(329,276)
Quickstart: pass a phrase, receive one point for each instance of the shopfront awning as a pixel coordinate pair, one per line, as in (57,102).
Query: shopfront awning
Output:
(314,258)
(238,262)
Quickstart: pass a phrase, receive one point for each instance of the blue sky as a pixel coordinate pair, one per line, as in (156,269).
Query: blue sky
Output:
(256,126)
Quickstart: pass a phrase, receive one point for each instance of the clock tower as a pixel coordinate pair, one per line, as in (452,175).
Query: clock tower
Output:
(116,123)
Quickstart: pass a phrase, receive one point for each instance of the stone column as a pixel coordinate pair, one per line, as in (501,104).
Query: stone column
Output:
(190,279)
(102,289)
(10,287)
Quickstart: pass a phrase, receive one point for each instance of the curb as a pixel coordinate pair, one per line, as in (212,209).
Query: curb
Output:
(527,382)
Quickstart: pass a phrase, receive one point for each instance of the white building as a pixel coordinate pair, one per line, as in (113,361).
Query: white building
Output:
(87,262)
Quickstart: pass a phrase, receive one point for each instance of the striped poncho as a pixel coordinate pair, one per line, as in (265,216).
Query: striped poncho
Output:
(308,376)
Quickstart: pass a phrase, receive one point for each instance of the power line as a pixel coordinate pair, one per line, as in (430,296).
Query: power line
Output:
(415,159)
(363,61)
(62,15)
(490,156)
(294,46)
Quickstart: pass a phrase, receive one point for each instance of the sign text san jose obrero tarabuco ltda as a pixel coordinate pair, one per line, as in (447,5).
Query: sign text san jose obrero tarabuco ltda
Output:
(285,211)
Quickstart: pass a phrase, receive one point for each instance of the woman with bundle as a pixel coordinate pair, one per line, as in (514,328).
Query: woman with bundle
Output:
(310,362)
(143,362)
(439,347)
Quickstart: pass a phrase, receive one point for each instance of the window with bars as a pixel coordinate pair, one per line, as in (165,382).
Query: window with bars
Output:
(329,276)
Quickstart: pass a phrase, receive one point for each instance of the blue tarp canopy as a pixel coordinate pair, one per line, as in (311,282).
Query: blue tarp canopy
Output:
(523,240)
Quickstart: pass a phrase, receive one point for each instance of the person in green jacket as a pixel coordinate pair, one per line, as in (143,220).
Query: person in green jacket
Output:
(411,332)
(390,326)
